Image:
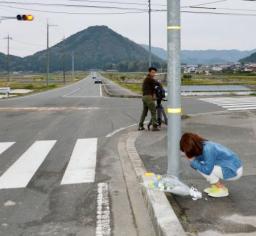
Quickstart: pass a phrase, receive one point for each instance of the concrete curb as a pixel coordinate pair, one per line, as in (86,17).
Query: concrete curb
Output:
(165,221)
(115,95)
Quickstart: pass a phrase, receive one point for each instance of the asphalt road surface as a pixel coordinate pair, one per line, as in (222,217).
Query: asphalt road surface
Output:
(59,164)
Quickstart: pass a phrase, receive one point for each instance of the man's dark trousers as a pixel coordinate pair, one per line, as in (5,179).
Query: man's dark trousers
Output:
(148,104)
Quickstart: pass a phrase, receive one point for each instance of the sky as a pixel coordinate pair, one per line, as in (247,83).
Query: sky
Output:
(199,31)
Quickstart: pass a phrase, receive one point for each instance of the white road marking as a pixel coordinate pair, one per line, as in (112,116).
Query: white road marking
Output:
(4,146)
(44,93)
(242,108)
(74,91)
(118,130)
(48,108)
(233,104)
(100,90)
(82,164)
(20,173)
(86,96)
(103,211)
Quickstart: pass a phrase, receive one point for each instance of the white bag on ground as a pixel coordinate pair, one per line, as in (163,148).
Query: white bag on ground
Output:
(172,184)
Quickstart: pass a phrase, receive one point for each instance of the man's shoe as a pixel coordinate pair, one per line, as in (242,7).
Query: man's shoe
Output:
(141,128)
(219,192)
(155,129)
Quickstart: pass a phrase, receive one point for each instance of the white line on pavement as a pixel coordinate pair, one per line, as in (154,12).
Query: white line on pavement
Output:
(100,90)
(20,173)
(242,108)
(86,97)
(82,164)
(4,146)
(74,91)
(118,130)
(103,212)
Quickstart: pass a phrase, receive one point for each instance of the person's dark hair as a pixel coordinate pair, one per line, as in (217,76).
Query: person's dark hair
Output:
(191,144)
(151,68)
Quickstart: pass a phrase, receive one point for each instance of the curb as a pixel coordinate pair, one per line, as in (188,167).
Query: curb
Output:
(117,96)
(165,221)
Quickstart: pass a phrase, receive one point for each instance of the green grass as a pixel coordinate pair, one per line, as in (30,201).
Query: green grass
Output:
(133,81)
(220,80)
(37,82)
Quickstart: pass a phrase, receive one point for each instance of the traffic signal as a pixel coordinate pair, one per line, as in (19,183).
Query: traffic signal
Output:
(25,17)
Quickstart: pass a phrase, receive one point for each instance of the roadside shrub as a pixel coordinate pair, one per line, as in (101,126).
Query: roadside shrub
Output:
(187,76)
(29,86)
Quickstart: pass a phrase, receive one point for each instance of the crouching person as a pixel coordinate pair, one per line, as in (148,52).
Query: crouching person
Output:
(213,161)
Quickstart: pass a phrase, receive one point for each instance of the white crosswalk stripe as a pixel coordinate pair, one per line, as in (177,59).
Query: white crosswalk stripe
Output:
(5,146)
(21,172)
(82,164)
(233,103)
(80,169)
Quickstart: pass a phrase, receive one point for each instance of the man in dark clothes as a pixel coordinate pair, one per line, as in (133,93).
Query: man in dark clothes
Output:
(148,90)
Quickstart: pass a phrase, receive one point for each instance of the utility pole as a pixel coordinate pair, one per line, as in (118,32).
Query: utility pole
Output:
(8,57)
(48,54)
(73,66)
(47,57)
(149,44)
(63,62)
(174,82)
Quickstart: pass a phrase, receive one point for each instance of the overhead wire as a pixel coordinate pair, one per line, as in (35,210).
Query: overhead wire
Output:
(126,10)
(118,2)
(69,5)
(73,13)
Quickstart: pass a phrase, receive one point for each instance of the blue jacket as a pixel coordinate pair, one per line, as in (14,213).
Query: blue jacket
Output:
(216,154)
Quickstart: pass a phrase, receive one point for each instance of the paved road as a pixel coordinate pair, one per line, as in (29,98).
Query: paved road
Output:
(46,140)
(59,171)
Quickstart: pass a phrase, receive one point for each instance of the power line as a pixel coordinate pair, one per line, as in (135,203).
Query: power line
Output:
(134,12)
(115,2)
(208,3)
(75,13)
(219,13)
(69,5)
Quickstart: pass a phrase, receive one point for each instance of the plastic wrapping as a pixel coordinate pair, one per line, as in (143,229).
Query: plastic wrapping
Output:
(172,184)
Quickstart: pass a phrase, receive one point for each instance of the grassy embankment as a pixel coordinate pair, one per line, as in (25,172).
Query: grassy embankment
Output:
(37,82)
(133,81)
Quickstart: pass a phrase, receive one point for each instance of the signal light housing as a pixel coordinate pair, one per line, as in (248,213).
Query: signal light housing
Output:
(25,17)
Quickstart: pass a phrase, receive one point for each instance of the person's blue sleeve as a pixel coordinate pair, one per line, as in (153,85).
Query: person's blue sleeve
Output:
(207,164)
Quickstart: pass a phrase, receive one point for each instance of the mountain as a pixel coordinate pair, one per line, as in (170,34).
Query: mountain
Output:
(95,47)
(249,59)
(14,62)
(160,52)
(204,56)
(213,56)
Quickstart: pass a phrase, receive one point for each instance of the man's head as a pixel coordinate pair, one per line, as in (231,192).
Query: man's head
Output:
(152,71)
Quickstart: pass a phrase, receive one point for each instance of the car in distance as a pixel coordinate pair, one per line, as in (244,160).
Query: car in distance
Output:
(98,81)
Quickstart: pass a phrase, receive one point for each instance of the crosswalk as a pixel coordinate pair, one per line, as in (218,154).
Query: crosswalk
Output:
(80,169)
(233,103)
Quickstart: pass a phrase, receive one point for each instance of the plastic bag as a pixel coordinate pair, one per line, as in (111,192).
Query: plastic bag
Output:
(172,184)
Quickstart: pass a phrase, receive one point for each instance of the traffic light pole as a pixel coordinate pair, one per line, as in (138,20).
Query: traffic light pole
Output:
(174,82)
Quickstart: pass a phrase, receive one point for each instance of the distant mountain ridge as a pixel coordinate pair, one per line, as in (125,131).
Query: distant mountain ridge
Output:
(100,47)
(249,59)
(95,47)
(205,56)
